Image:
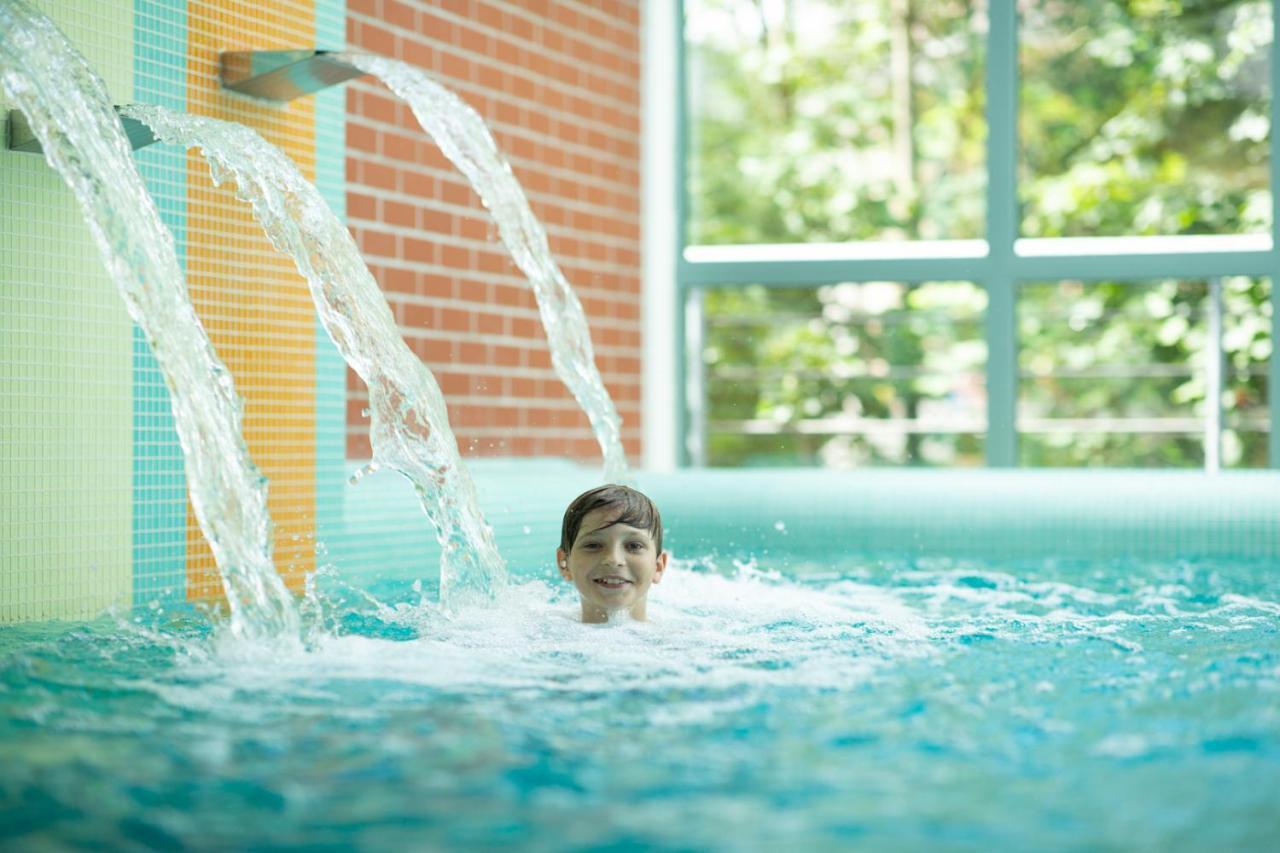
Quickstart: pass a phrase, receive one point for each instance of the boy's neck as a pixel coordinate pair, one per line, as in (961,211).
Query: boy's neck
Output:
(596,615)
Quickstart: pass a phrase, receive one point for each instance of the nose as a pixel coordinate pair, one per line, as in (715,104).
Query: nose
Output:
(615,556)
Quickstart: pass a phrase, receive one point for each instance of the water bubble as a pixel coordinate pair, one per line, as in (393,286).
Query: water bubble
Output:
(363,472)
(527,530)
(779,526)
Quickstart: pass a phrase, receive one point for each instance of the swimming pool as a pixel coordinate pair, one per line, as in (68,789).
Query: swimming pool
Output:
(842,669)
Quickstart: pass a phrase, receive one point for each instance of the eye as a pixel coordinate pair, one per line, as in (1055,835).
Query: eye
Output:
(637,547)
(590,546)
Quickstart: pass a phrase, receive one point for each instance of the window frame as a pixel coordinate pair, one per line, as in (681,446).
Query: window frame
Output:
(1007,262)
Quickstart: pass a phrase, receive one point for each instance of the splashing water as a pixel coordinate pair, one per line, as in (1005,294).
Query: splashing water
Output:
(410,425)
(70,111)
(864,704)
(463,138)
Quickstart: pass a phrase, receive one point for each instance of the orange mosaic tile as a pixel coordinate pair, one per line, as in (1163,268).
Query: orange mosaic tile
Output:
(253,302)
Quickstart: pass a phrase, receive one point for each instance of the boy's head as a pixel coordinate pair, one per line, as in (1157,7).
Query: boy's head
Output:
(611,549)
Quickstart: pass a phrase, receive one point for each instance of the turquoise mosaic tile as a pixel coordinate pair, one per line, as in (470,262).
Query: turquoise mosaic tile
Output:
(331,370)
(159,481)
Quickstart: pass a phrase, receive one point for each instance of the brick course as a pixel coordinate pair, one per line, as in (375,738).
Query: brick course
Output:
(558,83)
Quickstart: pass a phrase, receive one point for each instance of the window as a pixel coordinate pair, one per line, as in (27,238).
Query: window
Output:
(848,374)
(860,287)
(834,121)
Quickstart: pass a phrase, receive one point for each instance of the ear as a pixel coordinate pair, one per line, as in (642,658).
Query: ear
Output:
(662,566)
(562,563)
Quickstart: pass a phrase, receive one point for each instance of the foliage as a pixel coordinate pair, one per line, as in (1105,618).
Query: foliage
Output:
(835,120)
(796,128)
(1140,351)
(1145,117)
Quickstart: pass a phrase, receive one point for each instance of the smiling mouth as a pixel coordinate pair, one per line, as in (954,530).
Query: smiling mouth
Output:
(612,582)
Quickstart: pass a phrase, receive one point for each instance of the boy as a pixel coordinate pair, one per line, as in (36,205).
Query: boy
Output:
(611,549)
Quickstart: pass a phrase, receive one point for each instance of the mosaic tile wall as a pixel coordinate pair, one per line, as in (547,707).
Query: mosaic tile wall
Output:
(93,505)
(66,356)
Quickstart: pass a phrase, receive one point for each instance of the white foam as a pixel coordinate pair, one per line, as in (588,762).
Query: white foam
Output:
(714,634)
(705,632)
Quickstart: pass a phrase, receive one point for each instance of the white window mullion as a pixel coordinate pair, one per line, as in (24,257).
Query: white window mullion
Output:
(1002,231)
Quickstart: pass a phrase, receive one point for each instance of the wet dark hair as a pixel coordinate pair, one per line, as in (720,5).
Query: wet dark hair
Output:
(636,510)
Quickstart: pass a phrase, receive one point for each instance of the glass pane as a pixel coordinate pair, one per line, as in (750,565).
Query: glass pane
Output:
(835,120)
(1117,373)
(846,375)
(1144,117)
(1247,343)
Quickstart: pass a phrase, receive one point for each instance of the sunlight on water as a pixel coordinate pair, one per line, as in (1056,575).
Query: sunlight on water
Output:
(924,703)
(71,113)
(463,138)
(409,422)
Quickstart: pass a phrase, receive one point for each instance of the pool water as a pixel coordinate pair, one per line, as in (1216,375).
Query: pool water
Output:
(868,703)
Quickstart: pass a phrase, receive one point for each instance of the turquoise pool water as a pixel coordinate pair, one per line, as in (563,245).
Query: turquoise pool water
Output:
(877,703)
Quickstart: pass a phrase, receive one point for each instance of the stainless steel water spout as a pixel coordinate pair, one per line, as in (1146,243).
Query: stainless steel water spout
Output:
(282,75)
(20,137)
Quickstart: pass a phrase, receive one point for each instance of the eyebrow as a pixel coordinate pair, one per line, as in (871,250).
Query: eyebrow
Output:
(632,531)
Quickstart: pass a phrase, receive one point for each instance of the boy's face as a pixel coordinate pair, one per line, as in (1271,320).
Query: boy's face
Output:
(612,565)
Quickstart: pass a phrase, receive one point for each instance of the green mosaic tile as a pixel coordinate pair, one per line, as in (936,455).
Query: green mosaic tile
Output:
(65,344)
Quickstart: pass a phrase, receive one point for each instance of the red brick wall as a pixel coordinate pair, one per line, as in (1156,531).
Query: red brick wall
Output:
(558,83)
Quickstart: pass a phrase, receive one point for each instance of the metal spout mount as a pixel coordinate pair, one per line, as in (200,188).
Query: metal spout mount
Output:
(20,137)
(282,75)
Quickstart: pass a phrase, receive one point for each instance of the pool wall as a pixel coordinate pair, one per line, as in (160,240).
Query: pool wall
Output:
(794,520)
(93,506)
